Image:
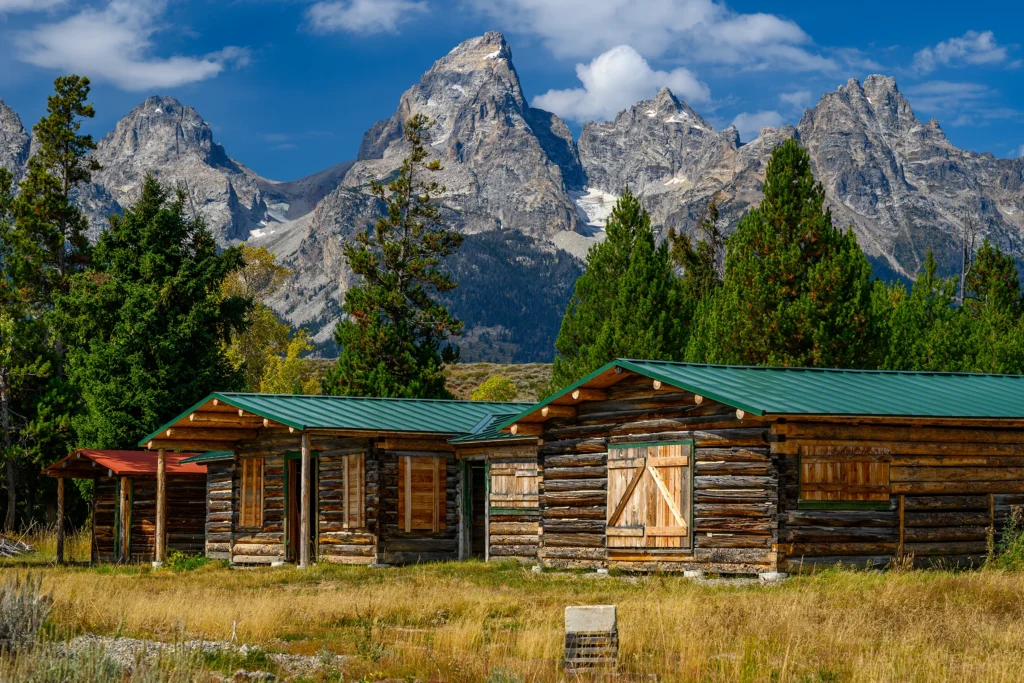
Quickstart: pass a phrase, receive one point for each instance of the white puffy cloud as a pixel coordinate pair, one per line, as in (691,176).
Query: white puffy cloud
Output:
(749,124)
(616,80)
(1020,151)
(798,99)
(362,16)
(703,30)
(11,6)
(114,44)
(972,48)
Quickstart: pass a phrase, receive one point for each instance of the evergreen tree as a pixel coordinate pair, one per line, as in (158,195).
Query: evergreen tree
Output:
(147,324)
(43,248)
(993,281)
(394,337)
(626,302)
(797,291)
(704,264)
(923,328)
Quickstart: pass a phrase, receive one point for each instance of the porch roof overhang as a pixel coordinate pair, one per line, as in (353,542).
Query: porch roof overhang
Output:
(86,463)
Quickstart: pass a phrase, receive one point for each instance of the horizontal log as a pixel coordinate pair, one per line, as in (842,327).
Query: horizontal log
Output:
(571,553)
(255,559)
(573,498)
(525,550)
(946,519)
(574,526)
(940,534)
(954,474)
(521,540)
(733,454)
(733,541)
(734,496)
(946,548)
(915,503)
(562,447)
(841,432)
(734,482)
(734,509)
(841,518)
(581,472)
(705,468)
(559,485)
(588,512)
(750,526)
(573,540)
(796,550)
(515,528)
(830,534)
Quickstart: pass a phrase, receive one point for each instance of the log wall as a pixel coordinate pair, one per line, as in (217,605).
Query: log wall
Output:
(266,544)
(950,488)
(219,509)
(336,543)
(735,481)
(514,529)
(395,546)
(186,513)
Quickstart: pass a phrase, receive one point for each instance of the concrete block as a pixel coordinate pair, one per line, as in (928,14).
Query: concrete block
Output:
(277,563)
(590,619)
(535,569)
(768,577)
(693,574)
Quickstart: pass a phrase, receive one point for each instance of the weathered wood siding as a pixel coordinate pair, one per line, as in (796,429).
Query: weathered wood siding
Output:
(395,546)
(186,513)
(514,527)
(357,542)
(949,489)
(735,481)
(266,544)
(104,504)
(219,507)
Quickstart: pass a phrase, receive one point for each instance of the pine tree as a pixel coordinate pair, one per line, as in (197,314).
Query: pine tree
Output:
(394,337)
(626,302)
(797,291)
(147,324)
(43,248)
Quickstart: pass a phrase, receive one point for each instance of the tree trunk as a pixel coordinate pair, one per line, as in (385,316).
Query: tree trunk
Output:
(12,473)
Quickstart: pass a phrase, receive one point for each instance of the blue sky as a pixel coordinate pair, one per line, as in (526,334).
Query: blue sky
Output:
(291,85)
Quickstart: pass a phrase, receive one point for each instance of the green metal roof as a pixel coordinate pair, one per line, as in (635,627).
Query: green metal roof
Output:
(488,430)
(820,391)
(424,416)
(210,456)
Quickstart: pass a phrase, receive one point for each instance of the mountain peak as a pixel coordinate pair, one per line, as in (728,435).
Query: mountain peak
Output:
(14,141)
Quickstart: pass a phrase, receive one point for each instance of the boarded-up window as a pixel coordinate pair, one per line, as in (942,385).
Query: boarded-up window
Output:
(839,476)
(354,474)
(251,503)
(649,489)
(514,485)
(421,493)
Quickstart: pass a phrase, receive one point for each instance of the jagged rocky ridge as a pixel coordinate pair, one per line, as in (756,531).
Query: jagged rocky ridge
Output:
(530,199)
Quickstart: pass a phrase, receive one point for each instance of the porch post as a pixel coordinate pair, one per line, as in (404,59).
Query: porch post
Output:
(60,520)
(304,505)
(161,508)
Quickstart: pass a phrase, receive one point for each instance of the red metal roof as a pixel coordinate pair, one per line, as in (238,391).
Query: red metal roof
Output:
(123,463)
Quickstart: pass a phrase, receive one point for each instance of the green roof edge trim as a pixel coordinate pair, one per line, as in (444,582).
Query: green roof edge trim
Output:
(631,366)
(210,456)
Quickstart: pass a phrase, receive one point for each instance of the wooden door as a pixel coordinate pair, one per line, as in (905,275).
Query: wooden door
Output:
(422,493)
(649,490)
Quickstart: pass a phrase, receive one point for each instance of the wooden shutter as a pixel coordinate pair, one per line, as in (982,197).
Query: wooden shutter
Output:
(844,474)
(251,512)
(421,493)
(354,472)
(649,496)
(514,485)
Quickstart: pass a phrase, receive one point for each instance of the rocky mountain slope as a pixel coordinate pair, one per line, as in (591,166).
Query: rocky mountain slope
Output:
(531,200)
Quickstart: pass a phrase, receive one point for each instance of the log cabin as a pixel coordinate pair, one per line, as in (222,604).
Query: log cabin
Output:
(352,480)
(134,519)
(661,466)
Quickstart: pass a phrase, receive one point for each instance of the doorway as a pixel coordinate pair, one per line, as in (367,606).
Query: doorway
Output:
(292,505)
(478,509)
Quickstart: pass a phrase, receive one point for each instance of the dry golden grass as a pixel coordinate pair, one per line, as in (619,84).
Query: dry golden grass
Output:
(462,621)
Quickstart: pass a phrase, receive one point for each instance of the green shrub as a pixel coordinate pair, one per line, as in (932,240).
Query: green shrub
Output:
(184,562)
(497,388)
(1008,553)
(23,611)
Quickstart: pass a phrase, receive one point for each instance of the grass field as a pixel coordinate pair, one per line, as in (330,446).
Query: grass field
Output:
(503,623)
(529,378)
